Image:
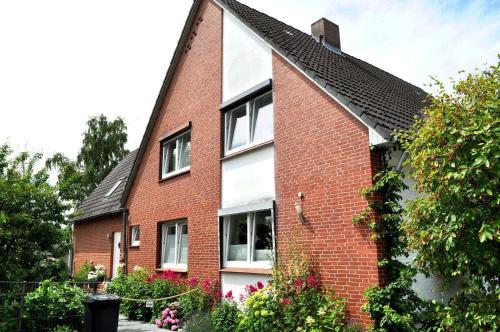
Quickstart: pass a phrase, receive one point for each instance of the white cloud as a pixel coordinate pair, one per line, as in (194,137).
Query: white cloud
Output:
(63,61)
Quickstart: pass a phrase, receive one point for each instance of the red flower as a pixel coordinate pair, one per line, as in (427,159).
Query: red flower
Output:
(193,282)
(286,301)
(312,282)
(251,289)
(299,283)
(260,285)
(229,295)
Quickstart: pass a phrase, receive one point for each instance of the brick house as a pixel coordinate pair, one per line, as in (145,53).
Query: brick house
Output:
(255,121)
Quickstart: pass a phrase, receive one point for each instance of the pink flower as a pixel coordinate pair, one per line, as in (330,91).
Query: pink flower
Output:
(312,281)
(286,301)
(173,327)
(299,283)
(260,285)
(229,295)
(251,289)
(158,323)
(192,282)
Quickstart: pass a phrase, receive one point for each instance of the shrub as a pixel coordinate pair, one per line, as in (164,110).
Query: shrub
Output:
(135,286)
(81,275)
(199,322)
(225,317)
(54,304)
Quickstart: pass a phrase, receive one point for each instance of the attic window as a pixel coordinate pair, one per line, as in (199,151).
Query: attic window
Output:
(288,32)
(114,187)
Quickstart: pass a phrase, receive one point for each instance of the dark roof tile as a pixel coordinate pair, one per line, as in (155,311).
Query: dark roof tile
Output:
(385,100)
(96,204)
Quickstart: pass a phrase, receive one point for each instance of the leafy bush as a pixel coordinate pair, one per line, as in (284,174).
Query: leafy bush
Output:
(225,317)
(293,300)
(135,285)
(54,304)
(81,275)
(64,328)
(199,322)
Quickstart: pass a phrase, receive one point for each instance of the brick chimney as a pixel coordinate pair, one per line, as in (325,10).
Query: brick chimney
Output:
(326,32)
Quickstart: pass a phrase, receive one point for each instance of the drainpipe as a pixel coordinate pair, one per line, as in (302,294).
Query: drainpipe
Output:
(401,161)
(124,240)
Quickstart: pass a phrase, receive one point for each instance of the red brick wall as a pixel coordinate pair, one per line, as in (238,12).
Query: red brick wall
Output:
(194,95)
(323,151)
(91,243)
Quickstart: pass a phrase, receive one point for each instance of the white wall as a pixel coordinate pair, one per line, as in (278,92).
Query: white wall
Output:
(236,282)
(248,178)
(432,288)
(246,60)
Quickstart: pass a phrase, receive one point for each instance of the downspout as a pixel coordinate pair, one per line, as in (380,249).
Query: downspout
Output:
(401,161)
(124,241)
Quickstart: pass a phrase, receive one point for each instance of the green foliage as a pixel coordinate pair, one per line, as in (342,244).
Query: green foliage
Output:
(193,303)
(454,224)
(135,286)
(199,322)
(102,148)
(395,306)
(224,318)
(64,328)
(32,239)
(52,303)
(294,299)
(81,275)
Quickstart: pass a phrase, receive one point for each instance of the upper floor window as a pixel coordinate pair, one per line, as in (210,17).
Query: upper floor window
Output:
(136,236)
(174,244)
(249,124)
(249,239)
(176,154)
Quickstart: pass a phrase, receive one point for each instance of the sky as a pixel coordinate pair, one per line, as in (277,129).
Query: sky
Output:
(63,61)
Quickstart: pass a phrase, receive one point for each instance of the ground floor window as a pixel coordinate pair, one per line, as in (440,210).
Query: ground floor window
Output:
(248,239)
(174,244)
(136,235)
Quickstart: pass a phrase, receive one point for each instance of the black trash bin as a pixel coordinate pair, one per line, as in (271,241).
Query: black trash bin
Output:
(101,313)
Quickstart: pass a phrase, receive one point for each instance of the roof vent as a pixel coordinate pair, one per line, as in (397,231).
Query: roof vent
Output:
(326,32)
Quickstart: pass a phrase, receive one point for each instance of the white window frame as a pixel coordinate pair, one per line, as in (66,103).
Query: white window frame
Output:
(249,263)
(133,231)
(110,191)
(250,113)
(165,156)
(164,228)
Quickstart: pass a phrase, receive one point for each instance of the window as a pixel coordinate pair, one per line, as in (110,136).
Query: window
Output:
(175,155)
(249,239)
(250,123)
(174,245)
(114,187)
(135,232)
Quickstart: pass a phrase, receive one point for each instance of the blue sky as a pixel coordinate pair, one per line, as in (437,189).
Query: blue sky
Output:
(63,61)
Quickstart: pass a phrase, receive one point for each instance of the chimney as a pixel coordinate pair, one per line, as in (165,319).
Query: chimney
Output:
(326,31)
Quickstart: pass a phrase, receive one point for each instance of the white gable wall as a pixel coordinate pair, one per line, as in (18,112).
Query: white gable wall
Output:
(246,60)
(429,288)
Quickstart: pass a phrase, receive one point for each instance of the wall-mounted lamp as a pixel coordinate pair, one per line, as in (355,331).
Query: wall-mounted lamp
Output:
(298,208)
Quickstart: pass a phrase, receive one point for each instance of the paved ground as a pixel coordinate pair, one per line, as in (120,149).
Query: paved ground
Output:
(125,325)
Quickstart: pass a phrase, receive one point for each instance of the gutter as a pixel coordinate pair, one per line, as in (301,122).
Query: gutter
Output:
(124,251)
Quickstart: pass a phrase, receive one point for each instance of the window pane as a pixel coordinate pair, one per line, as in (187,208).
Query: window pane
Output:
(263,118)
(135,234)
(185,144)
(183,246)
(171,156)
(238,133)
(169,249)
(263,236)
(237,242)
(164,161)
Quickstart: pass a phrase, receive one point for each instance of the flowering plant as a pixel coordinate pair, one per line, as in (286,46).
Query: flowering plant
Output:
(169,317)
(96,273)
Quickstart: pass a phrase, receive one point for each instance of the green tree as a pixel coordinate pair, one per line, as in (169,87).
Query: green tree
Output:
(454,225)
(33,242)
(102,148)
